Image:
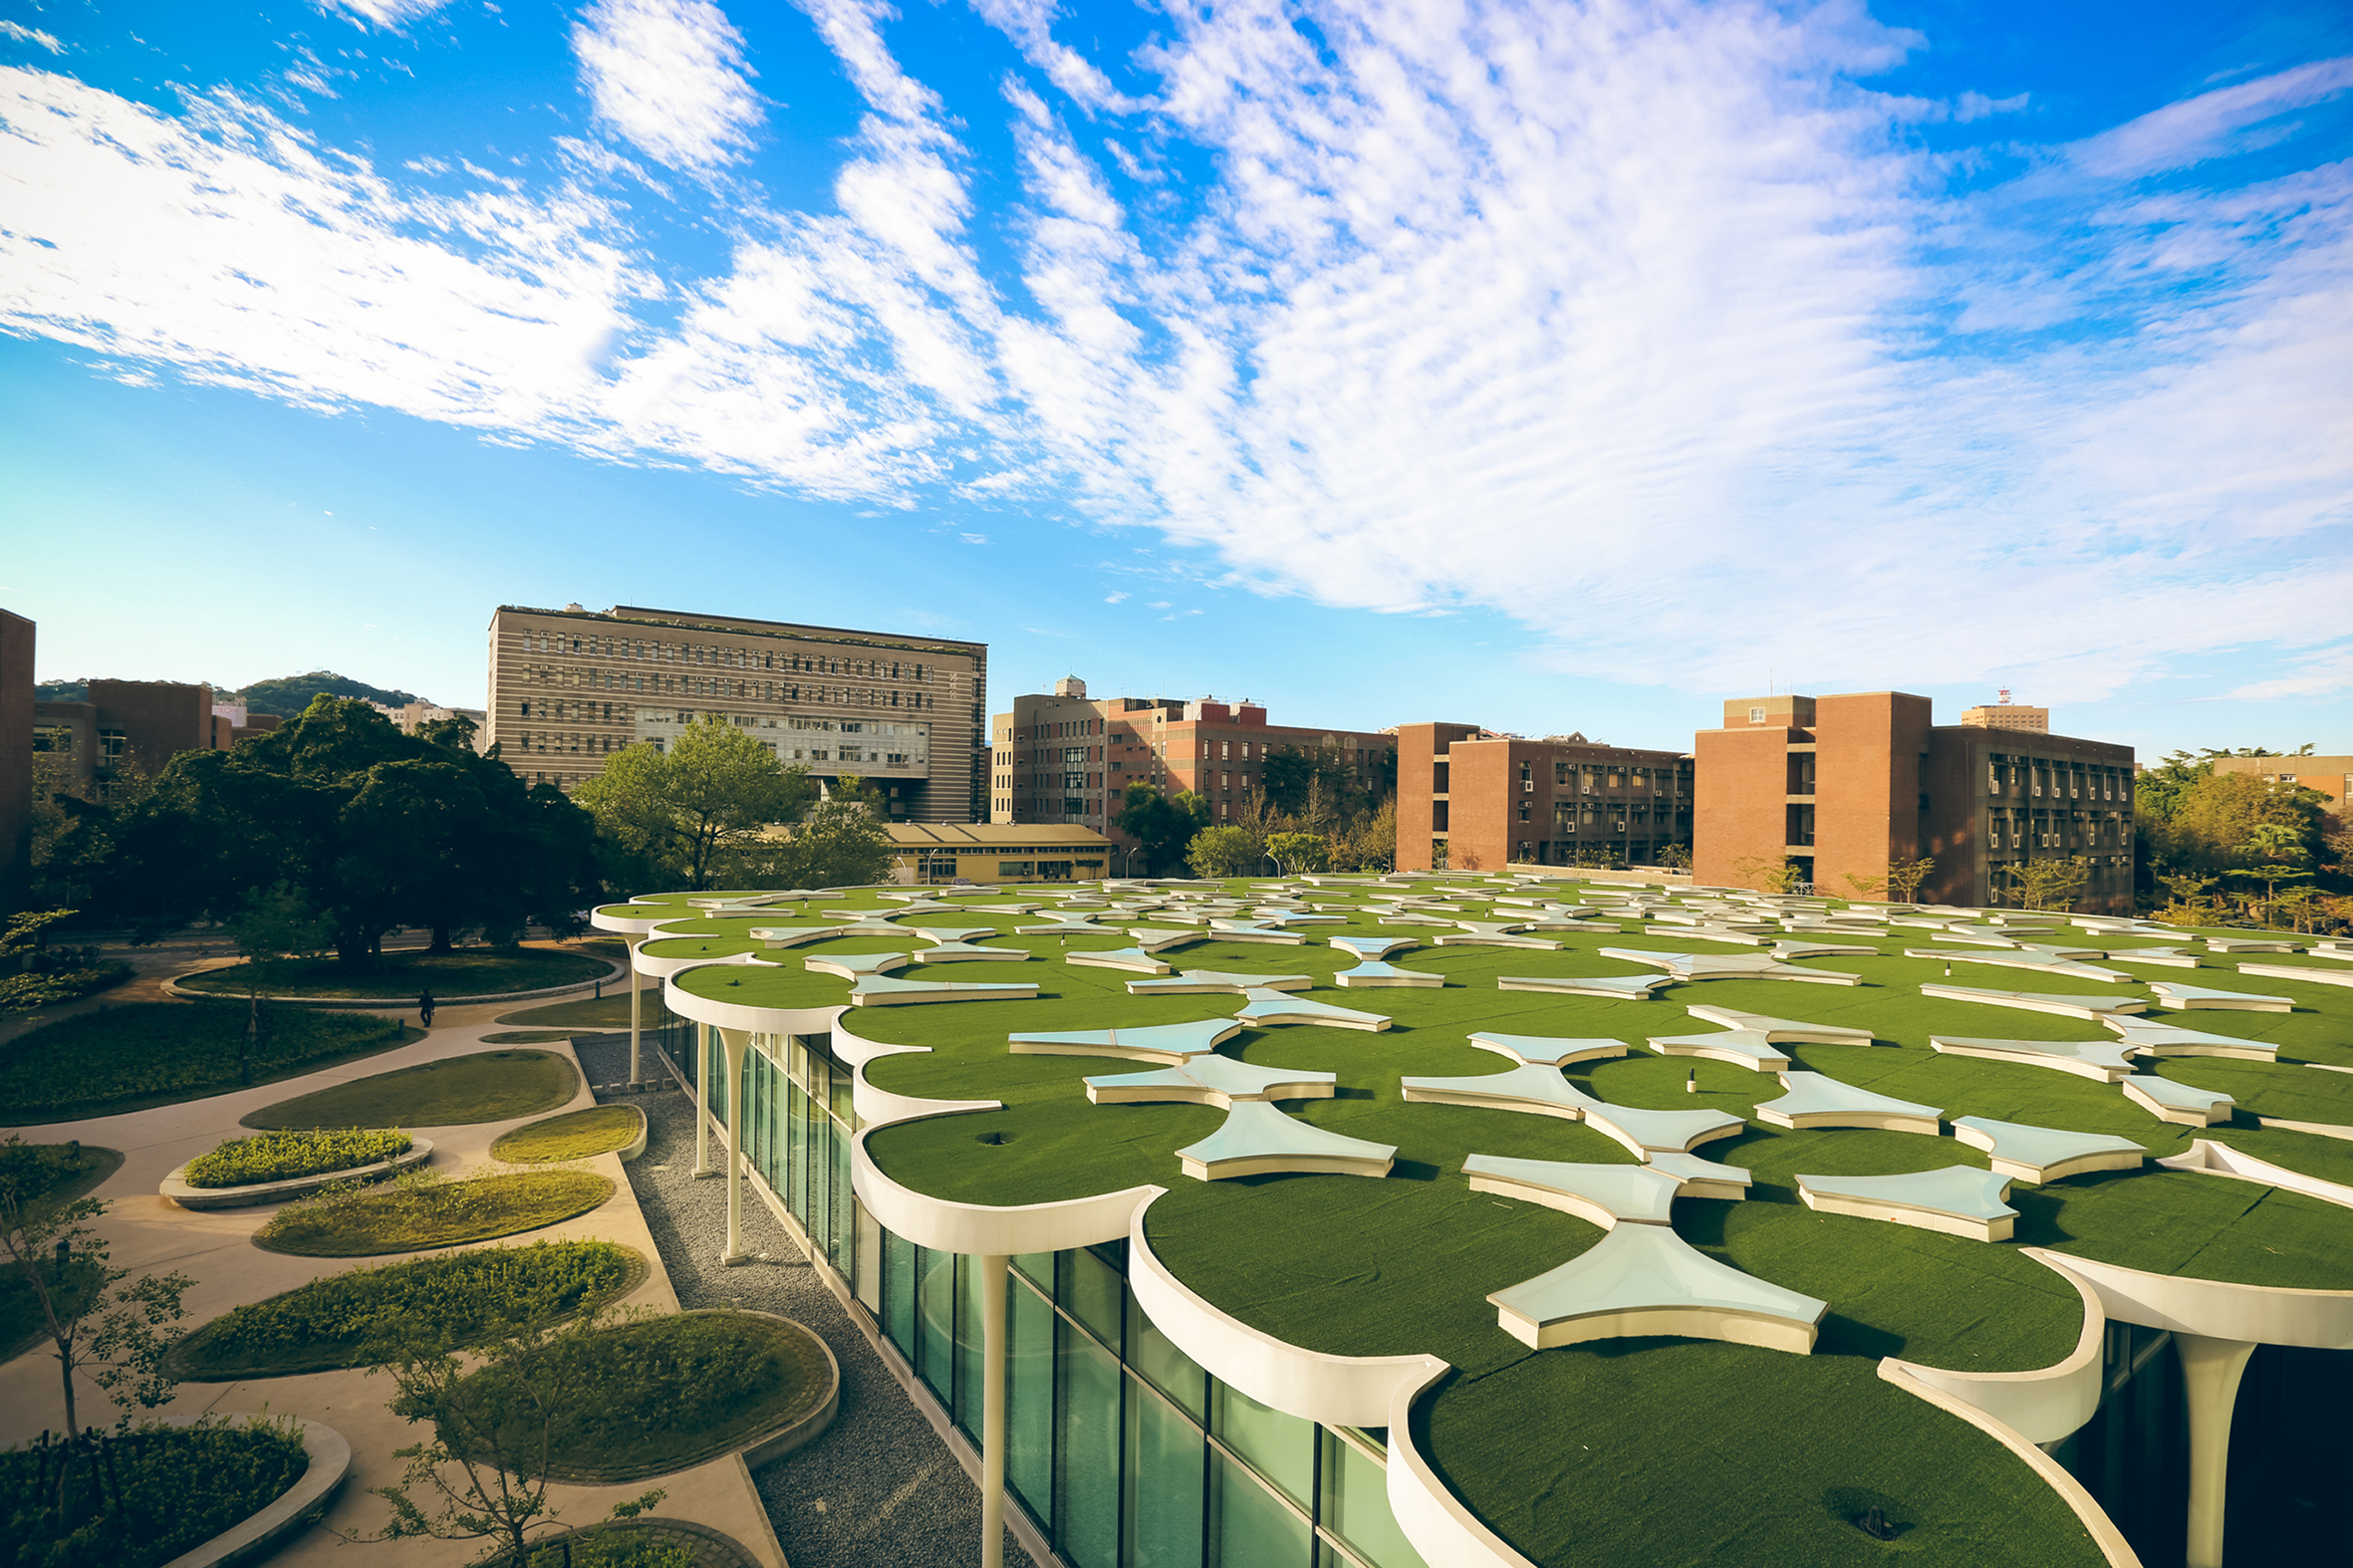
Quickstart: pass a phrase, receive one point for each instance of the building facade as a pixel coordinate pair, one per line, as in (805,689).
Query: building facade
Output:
(989,851)
(1468,799)
(1845,786)
(131,726)
(2006,715)
(570,687)
(1063,757)
(406,717)
(2331,776)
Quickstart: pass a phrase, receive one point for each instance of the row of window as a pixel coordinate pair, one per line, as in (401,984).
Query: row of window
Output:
(1123,1450)
(597,646)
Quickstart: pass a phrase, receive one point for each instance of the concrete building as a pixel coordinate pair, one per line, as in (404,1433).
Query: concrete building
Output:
(570,687)
(409,716)
(1849,784)
(1064,758)
(2333,777)
(989,851)
(129,725)
(1471,799)
(2006,715)
(16,759)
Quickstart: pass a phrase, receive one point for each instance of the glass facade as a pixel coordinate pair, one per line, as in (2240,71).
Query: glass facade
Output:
(1121,1450)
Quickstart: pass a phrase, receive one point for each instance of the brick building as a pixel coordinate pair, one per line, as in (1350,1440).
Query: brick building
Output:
(2333,777)
(133,725)
(1064,758)
(570,687)
(1848,784)
(1468,799)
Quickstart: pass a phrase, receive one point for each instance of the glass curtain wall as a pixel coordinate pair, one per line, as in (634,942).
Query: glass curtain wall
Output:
(1124,1453)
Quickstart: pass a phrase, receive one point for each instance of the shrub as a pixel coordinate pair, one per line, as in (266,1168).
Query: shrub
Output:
(282,1156)
(463,1298)
(24,993)
(575,1135)
(178,1488)
(158,1051)
(421,1210)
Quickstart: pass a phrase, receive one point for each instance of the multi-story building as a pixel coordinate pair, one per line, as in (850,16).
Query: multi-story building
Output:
(133,725)
(2006,715)
(1845,786)
(409,716)
(1064,758)
(1471,799)
(2333,777)
(570,687)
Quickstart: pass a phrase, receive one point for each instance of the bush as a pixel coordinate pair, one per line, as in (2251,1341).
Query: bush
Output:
(24,993)
(179,1488)
(282,1156)
(154,1052)
(421,1210)
(613,1546)
(351,1319)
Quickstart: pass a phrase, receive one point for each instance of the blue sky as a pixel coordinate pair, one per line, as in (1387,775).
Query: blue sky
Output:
(1565,367)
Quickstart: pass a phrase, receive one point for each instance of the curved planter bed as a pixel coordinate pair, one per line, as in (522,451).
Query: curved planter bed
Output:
(292,1511)
(627,1151)
(614,971)
(175,1186)
(758,1448)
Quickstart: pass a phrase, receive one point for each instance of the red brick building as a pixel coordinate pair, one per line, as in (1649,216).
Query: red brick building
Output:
(1468,799)
(1849,784)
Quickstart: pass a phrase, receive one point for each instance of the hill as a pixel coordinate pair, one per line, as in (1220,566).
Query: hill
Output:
(286,695)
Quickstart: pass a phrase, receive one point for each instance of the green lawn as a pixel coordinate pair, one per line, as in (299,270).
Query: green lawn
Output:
(472,971)
(575,1135)
(610,1011)
(489,1086)
(672,1392)
(146,1054)
(411,1216)
(1352,1267)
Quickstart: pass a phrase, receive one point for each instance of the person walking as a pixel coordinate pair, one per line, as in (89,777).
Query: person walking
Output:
(425,1007)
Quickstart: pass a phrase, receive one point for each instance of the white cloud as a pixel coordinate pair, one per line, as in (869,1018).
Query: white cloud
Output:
(2323,676)
(30,35)
(394,13)
(973,539)
(668,76)
(1645,326)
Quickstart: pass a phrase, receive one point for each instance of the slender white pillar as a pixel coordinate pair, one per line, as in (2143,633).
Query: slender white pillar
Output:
(2211,1370)
(636,1070)
(734,1042)
(702,1106)
(992,1409)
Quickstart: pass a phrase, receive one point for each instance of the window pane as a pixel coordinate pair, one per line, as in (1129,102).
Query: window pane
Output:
(898,1292)
(1037,1267)
(1093,1291)
(1356,1507)
(1086,1503)
(1280,1448)
(1165,1453)
(1251,1527)
(967,1406)
(845,1224)
(938,1319)
(1169,1369)
(1029,1400)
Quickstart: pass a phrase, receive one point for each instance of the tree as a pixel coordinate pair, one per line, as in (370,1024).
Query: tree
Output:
(275,924)
(685,810)
(2049,884)
(1295,853)
(1897,881)
(840,843)
(493,1426)
(1774,873)
(64,1267)
(1224,852)
(1370,842)
(1676,857)
(1161,825)
(2275,852)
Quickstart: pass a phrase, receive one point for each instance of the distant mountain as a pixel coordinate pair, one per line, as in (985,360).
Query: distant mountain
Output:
(285,697)
(288,695)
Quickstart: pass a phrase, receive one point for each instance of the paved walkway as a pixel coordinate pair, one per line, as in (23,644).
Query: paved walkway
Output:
(879,1489)
(150,1235)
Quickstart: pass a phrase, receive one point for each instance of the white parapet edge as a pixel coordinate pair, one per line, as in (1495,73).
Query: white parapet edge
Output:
(1432,1518)
(2218,1309)
(2042,1404)
(1338,1391)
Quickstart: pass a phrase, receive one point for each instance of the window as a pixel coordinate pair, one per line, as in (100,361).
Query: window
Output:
(1757,715)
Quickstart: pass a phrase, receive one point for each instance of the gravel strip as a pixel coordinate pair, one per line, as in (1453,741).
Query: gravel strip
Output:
(879,1489)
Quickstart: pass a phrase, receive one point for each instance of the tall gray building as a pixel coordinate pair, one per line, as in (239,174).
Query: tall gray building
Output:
(570,687)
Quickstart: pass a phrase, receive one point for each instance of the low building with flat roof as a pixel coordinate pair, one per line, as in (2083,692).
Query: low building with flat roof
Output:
(2331,776)
(994,852)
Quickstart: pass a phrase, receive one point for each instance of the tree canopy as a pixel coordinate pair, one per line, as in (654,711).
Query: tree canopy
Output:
(1161,825)
(690,811)
(367,829)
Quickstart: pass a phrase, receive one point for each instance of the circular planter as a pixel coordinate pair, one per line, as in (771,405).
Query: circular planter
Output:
(614,971)
(628,1152)
(292,1512)
(175,1188)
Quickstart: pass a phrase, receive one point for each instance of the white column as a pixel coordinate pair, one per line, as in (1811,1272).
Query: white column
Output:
(2211,1370)
(733,1041)
(702,1106)
(636,1073)
(992,1409)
